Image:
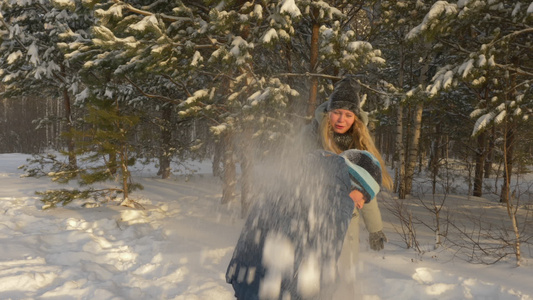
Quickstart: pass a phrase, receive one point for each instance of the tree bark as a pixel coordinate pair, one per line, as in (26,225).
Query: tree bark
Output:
(399,156)
(230,174)
(415,135)
(480,158)
(125,171)
(166,138)
(217,158)
(434,157)
(72,163)
(312,102)
(246,172)
(400,152)
(413,150)
(113,163)
(489,157)
(508,150)
(508,162)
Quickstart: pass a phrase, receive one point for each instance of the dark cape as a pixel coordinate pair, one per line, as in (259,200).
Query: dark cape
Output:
(295,230)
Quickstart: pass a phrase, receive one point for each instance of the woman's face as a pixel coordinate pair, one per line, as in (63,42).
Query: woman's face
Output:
(341,120)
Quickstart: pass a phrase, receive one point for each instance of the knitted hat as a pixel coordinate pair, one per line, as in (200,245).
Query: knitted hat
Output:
(346,96)
(365,172)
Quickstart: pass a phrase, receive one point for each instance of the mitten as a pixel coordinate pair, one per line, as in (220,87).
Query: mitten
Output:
(377,240)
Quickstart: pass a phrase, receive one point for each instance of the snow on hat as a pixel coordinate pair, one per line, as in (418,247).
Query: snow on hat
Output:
(346,96)
(365,172)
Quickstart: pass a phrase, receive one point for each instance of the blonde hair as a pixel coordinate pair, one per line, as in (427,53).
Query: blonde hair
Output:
(361,140)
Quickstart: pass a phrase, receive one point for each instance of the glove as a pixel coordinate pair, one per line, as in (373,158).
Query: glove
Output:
(377,240)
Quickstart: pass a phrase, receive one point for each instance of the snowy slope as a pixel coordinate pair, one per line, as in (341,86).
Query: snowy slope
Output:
(180,245)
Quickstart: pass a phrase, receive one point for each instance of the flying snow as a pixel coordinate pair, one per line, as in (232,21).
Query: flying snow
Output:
(278,259)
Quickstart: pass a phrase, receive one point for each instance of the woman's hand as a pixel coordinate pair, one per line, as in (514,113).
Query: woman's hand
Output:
(357,198)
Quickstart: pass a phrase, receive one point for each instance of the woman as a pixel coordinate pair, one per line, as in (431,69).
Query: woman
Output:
(289,245)
(339,125)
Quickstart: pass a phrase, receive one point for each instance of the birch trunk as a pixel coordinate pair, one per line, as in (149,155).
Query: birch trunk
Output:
(413,149)
(508,163)
(415,135)
(399,170)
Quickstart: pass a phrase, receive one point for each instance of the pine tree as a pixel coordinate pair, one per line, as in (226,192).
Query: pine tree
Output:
(408,65)
(105,154)
(492,57)
(217,64)
(31,62)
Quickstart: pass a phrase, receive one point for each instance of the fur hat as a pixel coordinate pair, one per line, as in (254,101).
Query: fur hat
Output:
(346,96)
(365,172)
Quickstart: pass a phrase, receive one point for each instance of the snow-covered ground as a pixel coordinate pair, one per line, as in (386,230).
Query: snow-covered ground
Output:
(180,245)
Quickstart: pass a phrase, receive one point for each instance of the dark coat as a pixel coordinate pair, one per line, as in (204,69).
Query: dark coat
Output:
(299,219)
(309,140)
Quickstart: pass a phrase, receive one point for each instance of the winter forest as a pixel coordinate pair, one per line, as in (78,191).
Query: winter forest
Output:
(91,88)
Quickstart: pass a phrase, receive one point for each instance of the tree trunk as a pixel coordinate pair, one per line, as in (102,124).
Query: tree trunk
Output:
(125,171)
(416,131)
(402,190)
(246,172)
(217,158)
(489,157)
(113,160)
(413,149)
(399,156)
(230,174)
(434,157)
(421,155)
(312,102)
(68,115)
(508,148)
(508,162)
(400,152)
(113,163)
(166,138)
(480,158)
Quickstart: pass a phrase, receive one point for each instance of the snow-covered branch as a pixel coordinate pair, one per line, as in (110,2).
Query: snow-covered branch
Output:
(14,36)
(325,76)
(180,84)
(512,35)
(164,17)
(166,99)
(307,74)
(518,70)
(454,45)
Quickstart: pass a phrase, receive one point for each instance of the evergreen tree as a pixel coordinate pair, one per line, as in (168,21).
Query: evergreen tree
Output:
(225,58)
(408,67)
(31,63)
(105,153)
(491,56)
